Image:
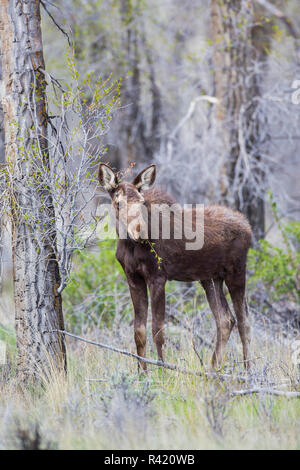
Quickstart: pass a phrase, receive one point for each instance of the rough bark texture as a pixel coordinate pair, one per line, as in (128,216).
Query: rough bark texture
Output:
(237,92)
(2,153)
(38,308)
(2,158)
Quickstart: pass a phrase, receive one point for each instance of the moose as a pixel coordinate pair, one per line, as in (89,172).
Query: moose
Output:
(149,264)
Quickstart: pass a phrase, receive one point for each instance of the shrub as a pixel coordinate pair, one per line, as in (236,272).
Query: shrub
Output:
(98,291)
(278,267)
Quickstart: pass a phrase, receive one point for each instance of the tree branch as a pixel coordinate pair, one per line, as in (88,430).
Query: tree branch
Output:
(278,393)
(191,110)
(43,3)
(281,16)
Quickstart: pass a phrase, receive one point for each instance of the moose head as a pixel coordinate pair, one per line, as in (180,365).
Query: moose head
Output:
(128,201)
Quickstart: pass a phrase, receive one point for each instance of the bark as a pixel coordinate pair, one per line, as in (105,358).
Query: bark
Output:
(2,159)
(2,153)
(1,257)
(237,90)
(38,306)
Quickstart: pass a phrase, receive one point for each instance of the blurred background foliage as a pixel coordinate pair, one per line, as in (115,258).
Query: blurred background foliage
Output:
(167,58)
(210,93)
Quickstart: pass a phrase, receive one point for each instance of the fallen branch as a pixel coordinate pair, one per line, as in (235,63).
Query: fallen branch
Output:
(96,380)
(267,391)
(165,365)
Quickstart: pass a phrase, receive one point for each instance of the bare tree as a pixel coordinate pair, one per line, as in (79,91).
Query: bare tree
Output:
(38,305)
(48,184)
(124,50)
(166,56)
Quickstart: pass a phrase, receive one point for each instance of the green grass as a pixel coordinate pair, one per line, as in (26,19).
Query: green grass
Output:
(158,410)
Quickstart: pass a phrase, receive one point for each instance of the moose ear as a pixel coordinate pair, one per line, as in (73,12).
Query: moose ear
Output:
(107,178)
(146,178)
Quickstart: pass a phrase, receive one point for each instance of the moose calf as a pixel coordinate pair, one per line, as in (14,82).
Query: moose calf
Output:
(149,263)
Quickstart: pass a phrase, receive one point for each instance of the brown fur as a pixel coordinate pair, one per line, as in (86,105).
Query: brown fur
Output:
(227,238)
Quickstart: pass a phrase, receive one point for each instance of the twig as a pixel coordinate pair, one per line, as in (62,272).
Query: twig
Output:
(267,391)
(244,361)
(205,342)
(281,16)
(53,80)
(96,380)
(197,353)
(55,22)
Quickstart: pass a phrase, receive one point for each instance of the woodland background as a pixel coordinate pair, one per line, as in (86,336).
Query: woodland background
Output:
(209,91)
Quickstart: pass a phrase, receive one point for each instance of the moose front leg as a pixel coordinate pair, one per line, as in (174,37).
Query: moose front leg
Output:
(158,308)
(139,296)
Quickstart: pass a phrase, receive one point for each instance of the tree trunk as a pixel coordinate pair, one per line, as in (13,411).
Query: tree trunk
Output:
(142,140)
(136,148)
(2,159)
(38,306)
(2,153)
(236,87)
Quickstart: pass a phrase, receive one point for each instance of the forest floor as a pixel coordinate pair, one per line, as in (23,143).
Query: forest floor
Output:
(105,404)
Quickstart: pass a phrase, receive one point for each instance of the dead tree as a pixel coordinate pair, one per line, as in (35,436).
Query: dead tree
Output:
(38,306)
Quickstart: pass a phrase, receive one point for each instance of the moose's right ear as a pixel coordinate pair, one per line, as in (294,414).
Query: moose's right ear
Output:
(107,177)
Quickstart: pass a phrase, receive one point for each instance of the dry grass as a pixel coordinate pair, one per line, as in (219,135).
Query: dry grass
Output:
(160,410)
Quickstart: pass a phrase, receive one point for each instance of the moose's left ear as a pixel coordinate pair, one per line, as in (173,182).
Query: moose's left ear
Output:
(146,178)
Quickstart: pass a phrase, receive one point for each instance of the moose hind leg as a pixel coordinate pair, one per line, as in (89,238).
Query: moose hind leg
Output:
(224,319)
(237,293)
